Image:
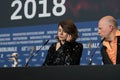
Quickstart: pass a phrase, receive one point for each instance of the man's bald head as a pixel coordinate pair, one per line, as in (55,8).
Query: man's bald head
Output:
(110,20)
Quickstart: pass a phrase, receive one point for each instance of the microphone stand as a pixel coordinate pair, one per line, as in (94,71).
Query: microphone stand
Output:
(90,60)
(32,55)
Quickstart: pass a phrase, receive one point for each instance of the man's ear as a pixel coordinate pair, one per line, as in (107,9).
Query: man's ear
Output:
(111,28)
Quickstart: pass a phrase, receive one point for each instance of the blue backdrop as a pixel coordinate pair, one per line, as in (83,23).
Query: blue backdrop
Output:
(29,39)
(25,25)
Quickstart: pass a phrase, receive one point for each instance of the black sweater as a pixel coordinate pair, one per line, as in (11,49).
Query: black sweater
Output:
(68,54)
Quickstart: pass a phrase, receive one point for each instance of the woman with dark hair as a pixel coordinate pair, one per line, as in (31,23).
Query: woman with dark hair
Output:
(66,51)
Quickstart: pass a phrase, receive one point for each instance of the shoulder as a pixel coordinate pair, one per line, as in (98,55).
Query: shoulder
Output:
(53,44)
(52,47)
(77,44)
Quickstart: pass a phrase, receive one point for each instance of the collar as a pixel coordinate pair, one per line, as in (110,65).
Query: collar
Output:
(105,43)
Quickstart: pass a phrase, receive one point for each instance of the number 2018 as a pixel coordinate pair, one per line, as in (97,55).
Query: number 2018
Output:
(17,16)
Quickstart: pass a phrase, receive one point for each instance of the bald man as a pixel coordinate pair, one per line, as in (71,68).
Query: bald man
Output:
(108,29)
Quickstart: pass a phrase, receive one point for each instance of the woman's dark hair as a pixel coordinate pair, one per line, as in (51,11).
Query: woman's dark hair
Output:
(69,27)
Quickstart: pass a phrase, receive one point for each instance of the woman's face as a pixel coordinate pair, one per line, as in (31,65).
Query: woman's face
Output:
(62,36)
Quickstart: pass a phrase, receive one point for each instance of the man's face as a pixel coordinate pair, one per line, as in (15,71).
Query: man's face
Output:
(103,29)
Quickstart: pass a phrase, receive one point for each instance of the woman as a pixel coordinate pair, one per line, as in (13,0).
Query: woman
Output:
(66,51)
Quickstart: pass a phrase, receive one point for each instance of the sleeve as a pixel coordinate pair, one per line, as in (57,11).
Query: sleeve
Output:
(77,53)
(74,53)
(50,56)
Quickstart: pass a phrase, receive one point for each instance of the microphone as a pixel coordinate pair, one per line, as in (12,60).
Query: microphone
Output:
(31,56)
(46,42)
(93,53)
(32,50)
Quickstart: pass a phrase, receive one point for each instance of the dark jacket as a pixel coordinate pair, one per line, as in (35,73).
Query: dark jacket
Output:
(68,54)
(106,59)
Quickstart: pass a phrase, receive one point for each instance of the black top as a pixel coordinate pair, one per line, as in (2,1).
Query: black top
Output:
(105,57)
(68,54)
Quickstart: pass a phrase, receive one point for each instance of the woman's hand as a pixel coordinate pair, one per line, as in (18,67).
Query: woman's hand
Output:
(69,38)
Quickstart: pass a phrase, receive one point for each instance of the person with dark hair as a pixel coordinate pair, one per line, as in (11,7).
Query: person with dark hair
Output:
(66,51)
(108,30)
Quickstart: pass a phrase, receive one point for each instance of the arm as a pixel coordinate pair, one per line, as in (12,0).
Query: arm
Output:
(49,57)
(73,53)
